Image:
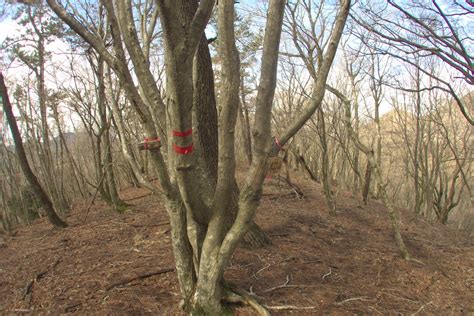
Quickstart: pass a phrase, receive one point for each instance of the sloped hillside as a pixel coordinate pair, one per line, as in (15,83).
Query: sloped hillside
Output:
(344,263)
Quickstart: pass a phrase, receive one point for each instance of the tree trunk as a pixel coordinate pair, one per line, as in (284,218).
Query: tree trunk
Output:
(367,178)
(245,123)
(110,186)
(206,124)
(74,168)
(416,149)
(325,163)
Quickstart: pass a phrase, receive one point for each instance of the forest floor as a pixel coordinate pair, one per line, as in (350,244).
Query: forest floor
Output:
(318,264)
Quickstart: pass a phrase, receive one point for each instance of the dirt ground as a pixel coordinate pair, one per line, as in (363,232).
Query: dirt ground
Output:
(318,264)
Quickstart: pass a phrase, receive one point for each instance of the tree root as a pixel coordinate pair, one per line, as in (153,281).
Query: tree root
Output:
(236,296)
(255,238)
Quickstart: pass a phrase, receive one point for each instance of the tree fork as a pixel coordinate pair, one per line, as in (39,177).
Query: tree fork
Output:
(206,123)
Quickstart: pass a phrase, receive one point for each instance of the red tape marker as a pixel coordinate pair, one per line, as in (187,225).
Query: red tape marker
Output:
(183,150)
(183,134)
(277,142)
(149,140)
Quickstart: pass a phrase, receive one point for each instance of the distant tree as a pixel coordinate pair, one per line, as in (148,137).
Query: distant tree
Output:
(437,144)
(409,30)
(376,169)
(315,39)
(29,48)
(23,160)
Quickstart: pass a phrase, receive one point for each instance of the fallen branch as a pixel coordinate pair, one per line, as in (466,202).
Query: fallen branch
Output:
(71,308)
(308,170)
(139,277)
(151,225)
(296,189)
(38,276)
(141,225)
(139,197)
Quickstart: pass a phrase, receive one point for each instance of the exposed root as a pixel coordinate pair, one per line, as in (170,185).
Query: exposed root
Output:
(236,296)
(255,238)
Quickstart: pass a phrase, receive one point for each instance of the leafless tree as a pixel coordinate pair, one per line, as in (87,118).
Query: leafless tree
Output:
(417,29)
(23,160)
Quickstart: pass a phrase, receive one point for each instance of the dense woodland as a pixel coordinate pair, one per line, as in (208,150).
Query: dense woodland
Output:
(369,97)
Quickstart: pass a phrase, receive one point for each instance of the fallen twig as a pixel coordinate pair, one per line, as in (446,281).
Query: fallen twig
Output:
(137,277)
(373,308)
(264,268)
(327,274)
(362,298)
(279,286)
(421,308)
(284,307)
(417,261)
(398,296)
(20,310)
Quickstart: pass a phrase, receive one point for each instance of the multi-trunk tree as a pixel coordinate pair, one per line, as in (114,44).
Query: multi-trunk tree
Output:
(196,162)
